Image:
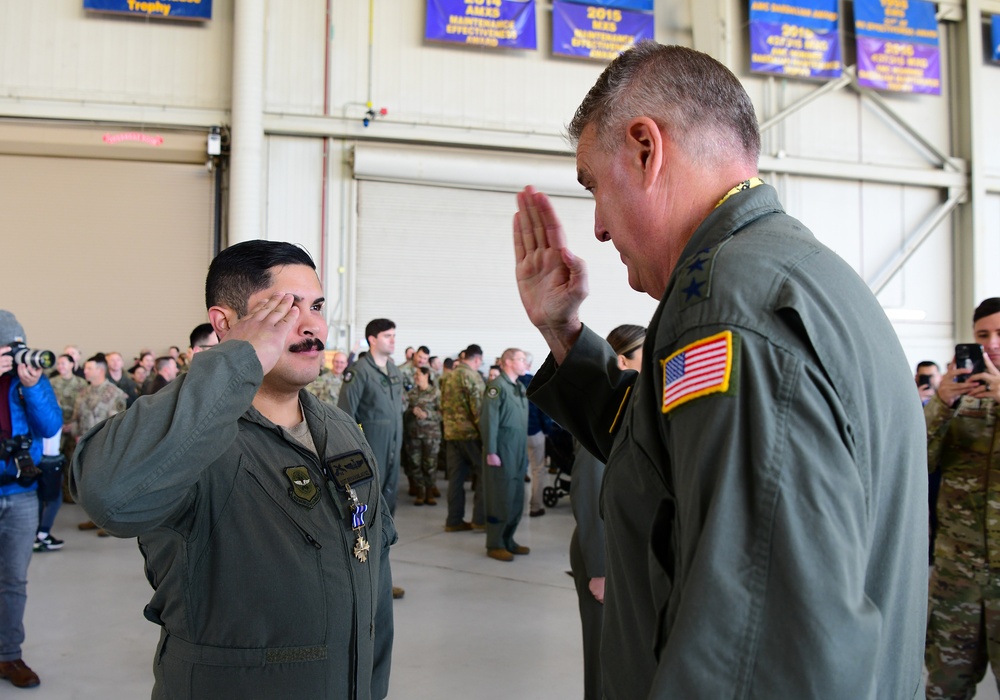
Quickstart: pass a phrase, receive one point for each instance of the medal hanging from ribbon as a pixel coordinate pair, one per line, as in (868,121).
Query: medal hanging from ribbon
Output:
(358,510)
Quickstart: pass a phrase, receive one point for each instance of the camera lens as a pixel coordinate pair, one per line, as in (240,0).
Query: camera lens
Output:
(36,359)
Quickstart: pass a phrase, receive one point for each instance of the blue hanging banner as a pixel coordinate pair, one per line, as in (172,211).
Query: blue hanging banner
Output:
(506,24)
(198,10)
(796,38)
(592,31)
(640,5)
(995,36)
(898,45)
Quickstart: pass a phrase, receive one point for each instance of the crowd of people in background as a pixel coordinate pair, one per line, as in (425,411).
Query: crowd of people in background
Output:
(92,390)
(478,427)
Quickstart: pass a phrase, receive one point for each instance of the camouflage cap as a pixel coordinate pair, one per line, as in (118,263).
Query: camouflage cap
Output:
(10,329)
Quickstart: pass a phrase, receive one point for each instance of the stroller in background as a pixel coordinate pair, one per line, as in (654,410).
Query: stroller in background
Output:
(559,450)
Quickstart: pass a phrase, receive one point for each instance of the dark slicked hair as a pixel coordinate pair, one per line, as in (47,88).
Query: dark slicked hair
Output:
(472,351)
(200,334)
(693,98)
(378,325)
(987,308)
(244,269)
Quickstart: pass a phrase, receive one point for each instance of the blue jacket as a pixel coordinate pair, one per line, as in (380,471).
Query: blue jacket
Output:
(38,415)
(537,420)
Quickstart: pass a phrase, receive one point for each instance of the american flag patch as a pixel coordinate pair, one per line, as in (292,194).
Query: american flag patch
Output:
(701,368)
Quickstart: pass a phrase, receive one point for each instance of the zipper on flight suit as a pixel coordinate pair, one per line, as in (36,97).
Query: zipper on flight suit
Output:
(349,552)
(305,533)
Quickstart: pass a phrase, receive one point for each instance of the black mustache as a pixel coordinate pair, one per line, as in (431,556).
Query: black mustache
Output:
(308,344)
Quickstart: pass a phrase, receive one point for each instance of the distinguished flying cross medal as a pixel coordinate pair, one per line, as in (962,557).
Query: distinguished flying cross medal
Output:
(358,509)
(350,470)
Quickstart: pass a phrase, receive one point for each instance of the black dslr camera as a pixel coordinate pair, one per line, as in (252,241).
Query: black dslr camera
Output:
(36,359)
(18,449)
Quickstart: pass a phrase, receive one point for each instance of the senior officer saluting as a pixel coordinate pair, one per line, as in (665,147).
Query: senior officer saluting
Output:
(765,500)
(257,506)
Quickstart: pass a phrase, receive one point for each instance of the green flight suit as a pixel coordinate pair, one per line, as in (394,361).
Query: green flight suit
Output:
(504,425)
(375,399)
(766,534)
(248,542)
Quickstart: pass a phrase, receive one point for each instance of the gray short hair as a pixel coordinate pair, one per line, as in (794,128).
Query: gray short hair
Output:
(695,99)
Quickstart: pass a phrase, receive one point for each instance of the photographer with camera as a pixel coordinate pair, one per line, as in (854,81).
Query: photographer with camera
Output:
(29,413)
(964,444)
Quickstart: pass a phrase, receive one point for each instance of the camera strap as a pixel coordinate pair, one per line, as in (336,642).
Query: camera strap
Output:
(6,422)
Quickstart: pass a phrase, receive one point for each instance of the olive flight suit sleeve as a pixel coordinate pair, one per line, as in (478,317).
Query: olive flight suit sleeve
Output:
(384,625)
(775,514)
(588,395)
(585,492)
(489,419)
(351,392)
(141,467)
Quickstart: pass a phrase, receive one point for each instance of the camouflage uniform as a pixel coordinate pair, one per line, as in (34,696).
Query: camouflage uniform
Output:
(963,625)
(326,387)
(461,400)
(66,392)
(422,439)
(94,404)
(408,466)
(407,369)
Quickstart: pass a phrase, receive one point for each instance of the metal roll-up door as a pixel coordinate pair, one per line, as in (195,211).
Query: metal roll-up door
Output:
(439,262)
(105,254)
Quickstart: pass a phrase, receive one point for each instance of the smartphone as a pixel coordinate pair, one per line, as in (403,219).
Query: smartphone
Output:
(923,380)
(970,356)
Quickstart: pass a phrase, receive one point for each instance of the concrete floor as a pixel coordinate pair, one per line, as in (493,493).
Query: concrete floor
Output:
(87,639)
(468,627)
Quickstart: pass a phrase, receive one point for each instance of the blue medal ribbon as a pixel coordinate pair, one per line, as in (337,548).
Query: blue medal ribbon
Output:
(358,515)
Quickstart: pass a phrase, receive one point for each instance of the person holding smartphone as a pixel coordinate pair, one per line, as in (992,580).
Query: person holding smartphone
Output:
(964,443)
(928,379)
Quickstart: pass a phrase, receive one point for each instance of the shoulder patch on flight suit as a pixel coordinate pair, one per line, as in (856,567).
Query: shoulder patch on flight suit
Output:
(303,490)
(492,392)
(703,367)
(348,376)
(695,281)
